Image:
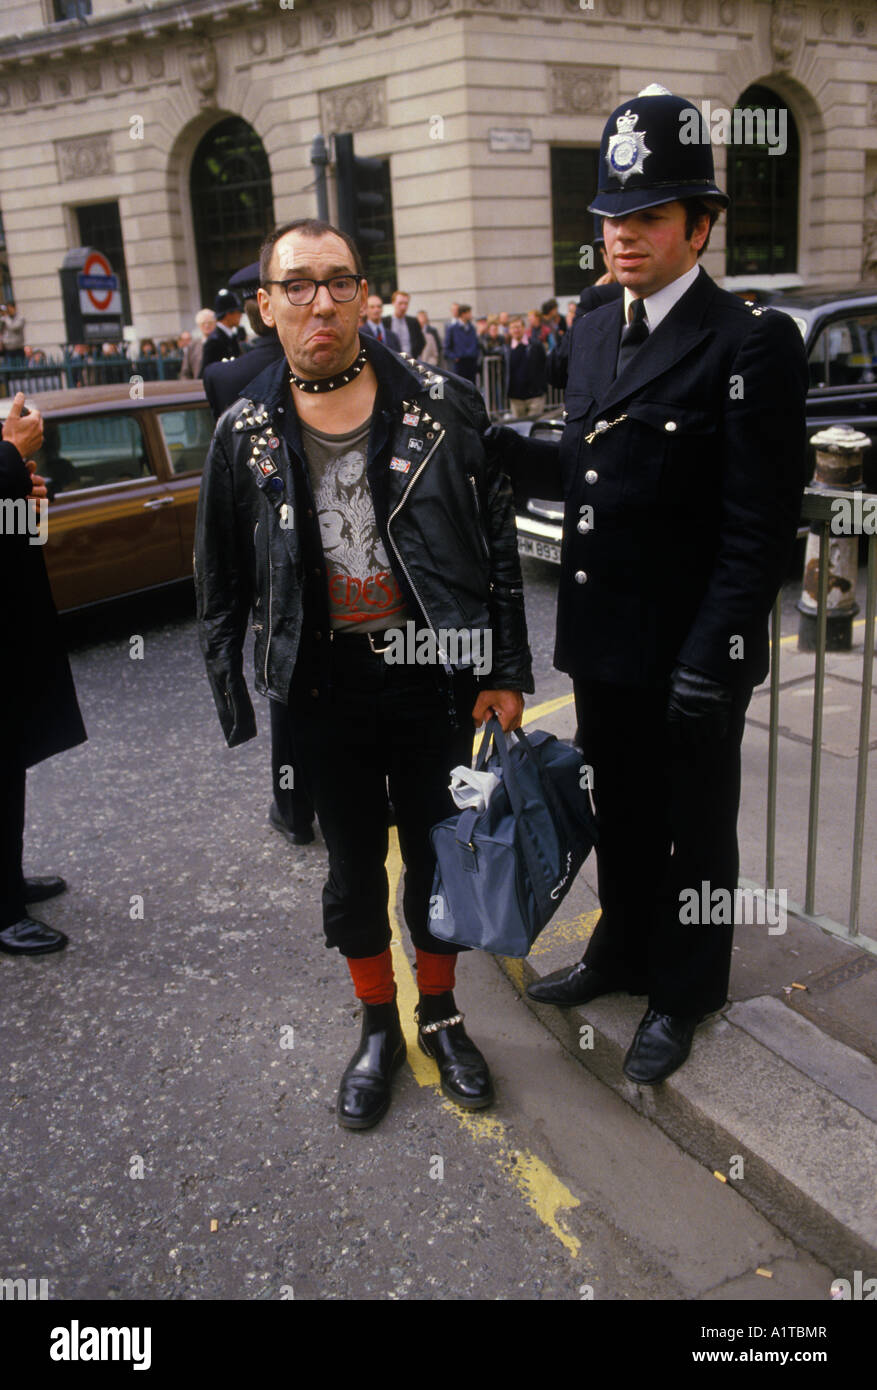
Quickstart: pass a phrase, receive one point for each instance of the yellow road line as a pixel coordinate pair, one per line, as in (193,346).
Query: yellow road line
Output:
(539,1187)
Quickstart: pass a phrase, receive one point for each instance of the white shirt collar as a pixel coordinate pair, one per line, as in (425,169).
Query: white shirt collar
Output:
(658,305)
(232,332)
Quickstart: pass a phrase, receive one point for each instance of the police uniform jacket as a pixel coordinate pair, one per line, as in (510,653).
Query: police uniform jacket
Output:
(682,480)
(218,347)
(443,507)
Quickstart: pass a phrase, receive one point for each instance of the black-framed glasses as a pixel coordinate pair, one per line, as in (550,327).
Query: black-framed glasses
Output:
(300,292)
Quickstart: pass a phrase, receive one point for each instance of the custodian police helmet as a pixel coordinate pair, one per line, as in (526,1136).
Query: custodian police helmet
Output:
(655,149)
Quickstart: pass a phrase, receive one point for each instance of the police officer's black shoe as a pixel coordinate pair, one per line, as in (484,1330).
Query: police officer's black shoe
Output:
(464,1073)
(37,889)
(577,984)
(364,1093)
(661,1044)
(31,938)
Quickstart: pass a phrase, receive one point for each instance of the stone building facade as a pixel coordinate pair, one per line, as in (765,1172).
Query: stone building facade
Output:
(467,101)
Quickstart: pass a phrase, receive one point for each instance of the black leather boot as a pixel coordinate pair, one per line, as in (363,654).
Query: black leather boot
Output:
(364,1093)
(464,1073)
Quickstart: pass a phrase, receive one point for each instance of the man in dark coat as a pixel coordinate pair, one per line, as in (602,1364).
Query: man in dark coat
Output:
(292,810)
(405,326)
(39,714)
(224,341)
(682,464)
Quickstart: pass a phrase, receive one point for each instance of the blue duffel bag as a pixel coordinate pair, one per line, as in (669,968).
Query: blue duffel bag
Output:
(502,872)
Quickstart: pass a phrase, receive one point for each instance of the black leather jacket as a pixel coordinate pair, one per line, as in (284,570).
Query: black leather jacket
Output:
(447,524)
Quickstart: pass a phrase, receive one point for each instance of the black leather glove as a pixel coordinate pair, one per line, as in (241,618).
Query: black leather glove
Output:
(698,709)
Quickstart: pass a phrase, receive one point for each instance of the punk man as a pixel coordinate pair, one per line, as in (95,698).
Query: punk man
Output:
(349,494)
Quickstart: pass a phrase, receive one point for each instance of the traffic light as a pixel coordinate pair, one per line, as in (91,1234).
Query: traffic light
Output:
(360,201)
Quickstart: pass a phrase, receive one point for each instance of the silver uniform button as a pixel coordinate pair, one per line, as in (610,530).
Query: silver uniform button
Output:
(584,525)
(591,475)
(581,577)
(669,425)
(602,425)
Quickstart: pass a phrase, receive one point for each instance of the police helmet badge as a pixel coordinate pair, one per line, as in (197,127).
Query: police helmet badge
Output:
(627,148)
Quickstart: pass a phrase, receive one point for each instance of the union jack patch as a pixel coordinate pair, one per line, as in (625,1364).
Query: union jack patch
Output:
(400,465)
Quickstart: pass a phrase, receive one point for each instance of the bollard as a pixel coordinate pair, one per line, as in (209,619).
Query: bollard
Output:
(839,451)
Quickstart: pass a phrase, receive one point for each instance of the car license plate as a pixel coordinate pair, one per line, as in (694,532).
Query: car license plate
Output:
(542,550)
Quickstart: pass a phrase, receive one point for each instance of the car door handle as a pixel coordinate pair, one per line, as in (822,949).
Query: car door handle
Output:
(155,502)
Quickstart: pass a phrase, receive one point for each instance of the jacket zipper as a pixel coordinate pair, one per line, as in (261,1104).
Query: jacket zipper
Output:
(472,481)
(270,595)
(390,519)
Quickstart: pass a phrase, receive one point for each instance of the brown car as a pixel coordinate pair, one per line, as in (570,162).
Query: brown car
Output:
(124,477)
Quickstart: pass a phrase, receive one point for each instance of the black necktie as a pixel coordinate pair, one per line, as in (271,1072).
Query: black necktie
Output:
(633,336)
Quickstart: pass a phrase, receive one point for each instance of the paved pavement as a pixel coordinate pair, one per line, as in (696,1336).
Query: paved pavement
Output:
(170,1077)
(780,1093)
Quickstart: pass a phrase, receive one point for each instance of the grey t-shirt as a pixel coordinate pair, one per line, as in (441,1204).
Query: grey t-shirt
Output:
(363,593)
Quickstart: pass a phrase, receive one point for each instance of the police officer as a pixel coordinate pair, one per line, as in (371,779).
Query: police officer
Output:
(682,465)
(224,341)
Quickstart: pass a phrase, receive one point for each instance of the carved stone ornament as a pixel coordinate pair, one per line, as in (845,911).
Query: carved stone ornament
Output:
(363,17)
(871,104)
(93,79)
(859,25)
(202,69)
(290,31)
(124,72)
(62,84)
(653,9)
(439,4)
(728,10)
(256,40)
(155,64)
(359,106)
(4,96)
(786,32)
(581,90)
(326,25)
(87,157)
(828,21)
(691,11)
(400,9)
(615,7)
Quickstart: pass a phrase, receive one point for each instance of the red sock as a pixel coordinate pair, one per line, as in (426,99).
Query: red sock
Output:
(435,974)
(373,978)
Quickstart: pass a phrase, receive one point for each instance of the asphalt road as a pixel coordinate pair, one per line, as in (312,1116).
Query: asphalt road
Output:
(168,1098)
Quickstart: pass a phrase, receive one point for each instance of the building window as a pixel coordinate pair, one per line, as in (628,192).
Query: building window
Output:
(100,227)
(763,188)
(573,187)
(71,9)
(232,203)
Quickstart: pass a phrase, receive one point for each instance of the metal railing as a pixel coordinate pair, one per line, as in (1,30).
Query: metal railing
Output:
(817,510)
(492,375)
(58,373)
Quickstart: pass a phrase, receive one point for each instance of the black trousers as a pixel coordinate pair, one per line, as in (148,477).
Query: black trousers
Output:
(667,822)
(379,728)
(12,786)
(293,802)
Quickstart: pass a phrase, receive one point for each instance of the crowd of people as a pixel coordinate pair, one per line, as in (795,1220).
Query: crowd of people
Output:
(519,343)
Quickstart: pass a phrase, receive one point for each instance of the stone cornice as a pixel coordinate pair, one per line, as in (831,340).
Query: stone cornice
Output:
(307,25)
